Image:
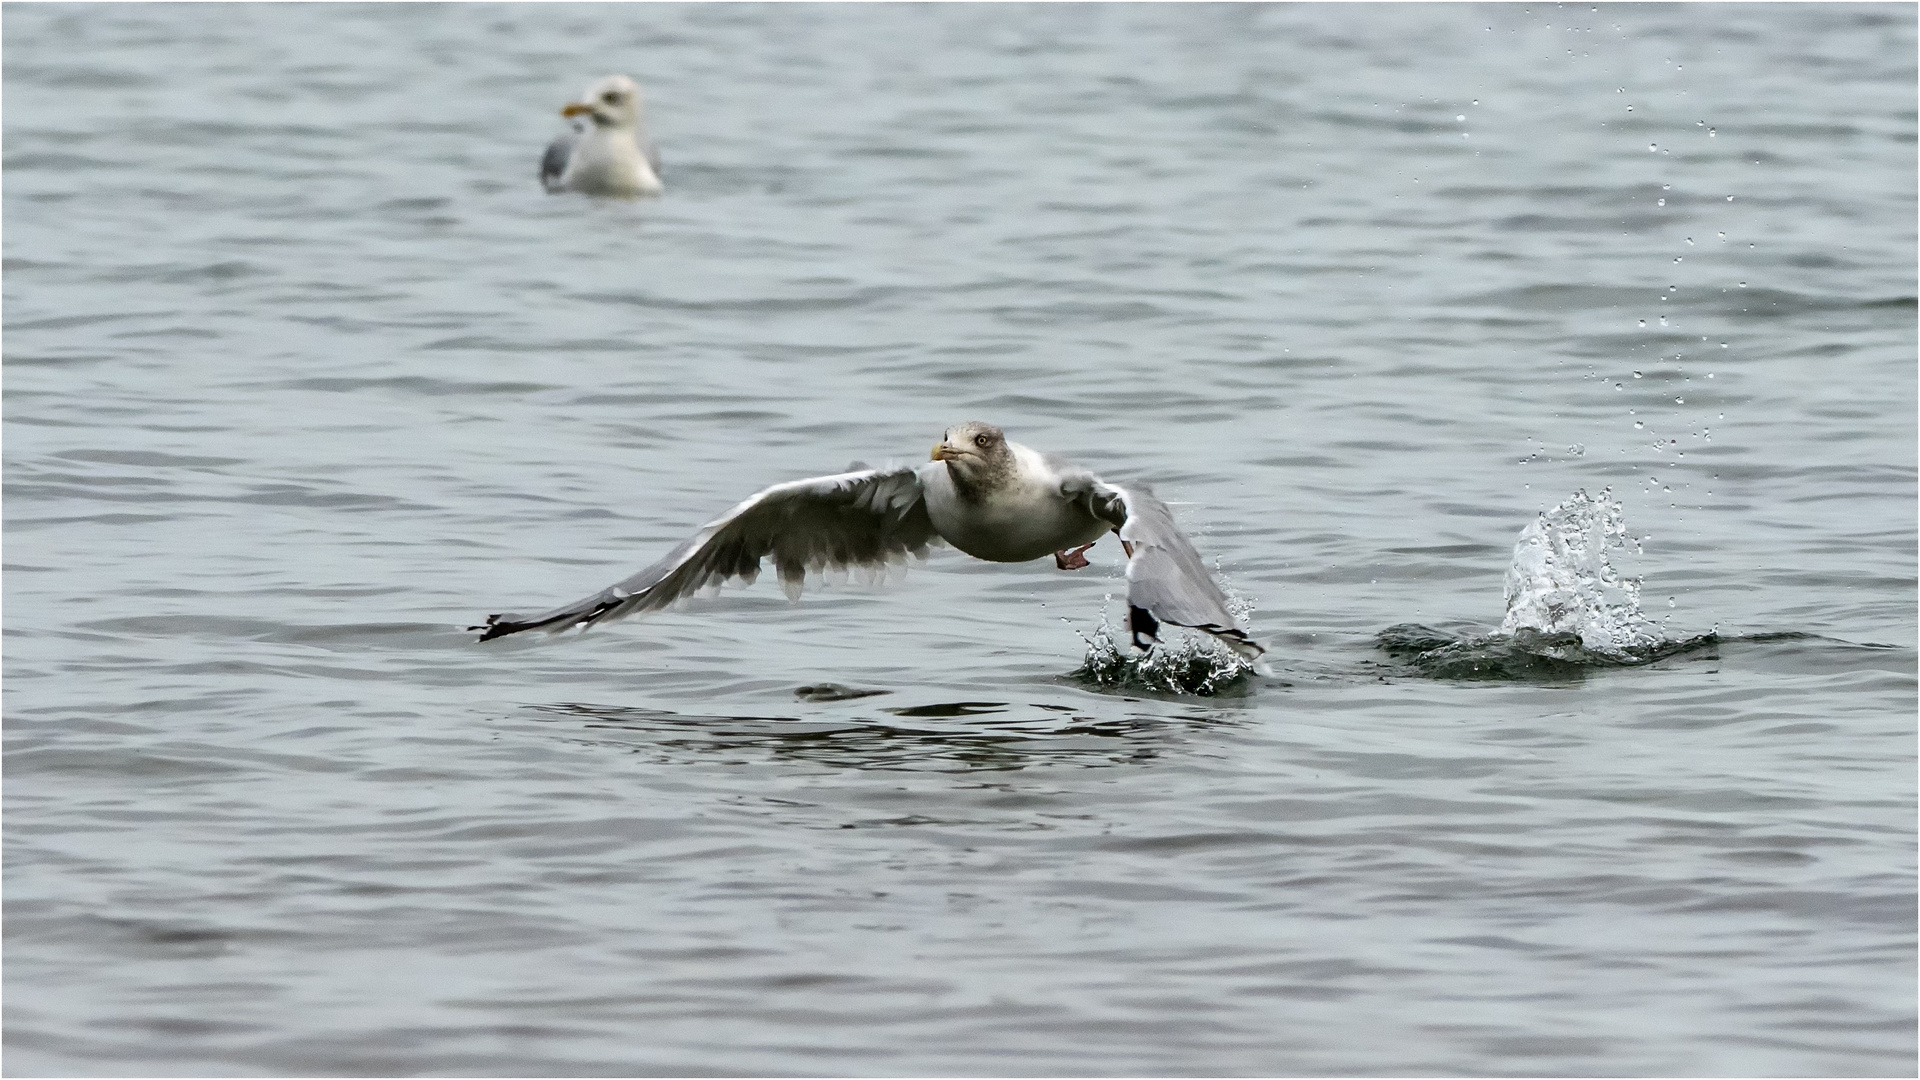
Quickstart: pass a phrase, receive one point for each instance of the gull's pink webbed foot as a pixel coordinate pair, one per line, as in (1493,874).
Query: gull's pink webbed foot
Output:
(1072,560)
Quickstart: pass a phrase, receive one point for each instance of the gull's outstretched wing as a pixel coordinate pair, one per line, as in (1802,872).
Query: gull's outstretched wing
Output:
(554,164)
(1166,581)
(864,518)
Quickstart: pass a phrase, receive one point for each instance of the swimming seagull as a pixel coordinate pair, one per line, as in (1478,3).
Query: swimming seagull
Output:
(986,495)
(607,152)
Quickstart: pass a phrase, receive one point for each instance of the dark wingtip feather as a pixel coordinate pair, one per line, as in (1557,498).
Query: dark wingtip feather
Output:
(1141,623)
(1239,642)
(1146,634)
(496,628)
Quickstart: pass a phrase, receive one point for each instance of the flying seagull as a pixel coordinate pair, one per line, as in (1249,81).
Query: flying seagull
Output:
(607,153)
(990,497)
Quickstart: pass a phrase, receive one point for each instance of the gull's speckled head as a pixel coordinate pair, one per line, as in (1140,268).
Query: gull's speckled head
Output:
(976,454)
(611,102)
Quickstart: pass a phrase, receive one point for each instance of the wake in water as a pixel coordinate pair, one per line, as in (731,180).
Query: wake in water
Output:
(1568,609)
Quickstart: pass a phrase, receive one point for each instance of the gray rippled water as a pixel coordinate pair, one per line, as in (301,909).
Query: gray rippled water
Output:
(304,374)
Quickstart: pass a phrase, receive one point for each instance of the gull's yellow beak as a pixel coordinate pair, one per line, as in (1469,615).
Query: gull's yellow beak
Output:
(940,452)
(576,109)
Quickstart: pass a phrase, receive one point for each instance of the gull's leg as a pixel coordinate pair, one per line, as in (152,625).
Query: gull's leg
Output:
(1072,560)
(1126,547)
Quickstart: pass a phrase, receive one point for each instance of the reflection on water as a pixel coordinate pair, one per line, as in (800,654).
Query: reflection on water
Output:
(981,736)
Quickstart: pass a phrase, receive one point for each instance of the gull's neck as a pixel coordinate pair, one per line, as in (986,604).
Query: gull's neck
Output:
(993,477)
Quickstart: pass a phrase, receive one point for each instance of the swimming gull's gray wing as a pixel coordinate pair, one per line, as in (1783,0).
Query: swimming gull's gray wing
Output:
(859,518)
(1166,581)
(553,165)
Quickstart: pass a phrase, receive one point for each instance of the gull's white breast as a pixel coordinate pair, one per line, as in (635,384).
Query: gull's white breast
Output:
(608,161)
(1026,520)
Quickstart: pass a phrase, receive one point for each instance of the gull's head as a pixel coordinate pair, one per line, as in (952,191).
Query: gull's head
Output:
(612,102)
(974,450)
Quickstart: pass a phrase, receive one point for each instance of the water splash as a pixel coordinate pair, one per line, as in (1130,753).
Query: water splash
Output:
(1568,609)
(1562,579)
(1193,664)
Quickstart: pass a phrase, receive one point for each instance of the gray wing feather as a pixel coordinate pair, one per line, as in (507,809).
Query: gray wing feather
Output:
(864,518)
(1166,581)
(554,164)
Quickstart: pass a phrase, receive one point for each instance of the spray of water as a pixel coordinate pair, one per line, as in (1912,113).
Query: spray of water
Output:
(1192,664)
(1568,610)
(1562,579)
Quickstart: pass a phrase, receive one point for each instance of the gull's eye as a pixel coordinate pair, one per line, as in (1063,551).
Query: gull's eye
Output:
(981,440)
(610,97)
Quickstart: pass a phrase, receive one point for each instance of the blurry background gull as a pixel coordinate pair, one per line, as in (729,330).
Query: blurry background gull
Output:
(607,152)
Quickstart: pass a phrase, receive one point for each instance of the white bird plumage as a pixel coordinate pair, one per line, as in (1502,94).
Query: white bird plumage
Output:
(607,152)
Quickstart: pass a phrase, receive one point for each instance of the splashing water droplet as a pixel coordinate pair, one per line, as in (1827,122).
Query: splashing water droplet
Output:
(1562,578)
(1193,664)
